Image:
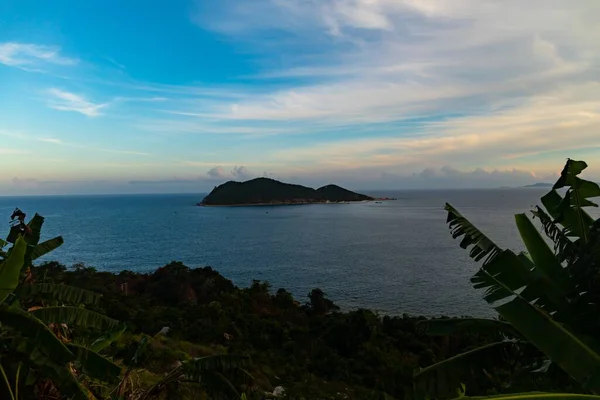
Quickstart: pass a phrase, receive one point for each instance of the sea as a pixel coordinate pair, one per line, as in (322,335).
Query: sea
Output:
(394,257)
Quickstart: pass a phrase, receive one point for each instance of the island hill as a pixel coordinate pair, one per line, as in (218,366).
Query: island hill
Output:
(266,191)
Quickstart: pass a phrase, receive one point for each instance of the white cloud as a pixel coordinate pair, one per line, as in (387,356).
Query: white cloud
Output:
(217,173)
(66,101)
(567,120)
(29,55)
(237,172)
(51,140)
(383,60)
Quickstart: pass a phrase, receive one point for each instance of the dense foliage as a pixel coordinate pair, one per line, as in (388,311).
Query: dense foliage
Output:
(270,191)
(312,349)
(547,298)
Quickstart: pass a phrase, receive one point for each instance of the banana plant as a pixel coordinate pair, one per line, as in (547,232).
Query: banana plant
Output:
(33,346)
(209,372)
(541,295)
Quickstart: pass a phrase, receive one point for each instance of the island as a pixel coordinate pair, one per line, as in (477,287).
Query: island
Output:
(267,191)
(539,185)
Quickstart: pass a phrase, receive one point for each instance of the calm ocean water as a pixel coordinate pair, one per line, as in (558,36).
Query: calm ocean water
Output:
(395,257)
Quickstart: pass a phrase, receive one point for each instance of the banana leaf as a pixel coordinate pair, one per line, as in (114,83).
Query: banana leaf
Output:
(46,247)
(52,368)
(35,224)
(564,247)
(94,365)
(542,256)
(77,316)
(10,269)
(108,338)
(448,326)
(559,344)
(483,247)
(28,326)
(441,380)
(62,293)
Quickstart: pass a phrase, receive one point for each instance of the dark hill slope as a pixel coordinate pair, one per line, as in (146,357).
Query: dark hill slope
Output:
(337,193)
(270,191)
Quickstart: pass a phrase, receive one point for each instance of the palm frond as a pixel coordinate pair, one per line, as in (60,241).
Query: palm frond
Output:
(77,316)
(482,246)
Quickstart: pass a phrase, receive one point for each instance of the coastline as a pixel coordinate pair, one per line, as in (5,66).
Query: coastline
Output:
(278,204)
(377,200)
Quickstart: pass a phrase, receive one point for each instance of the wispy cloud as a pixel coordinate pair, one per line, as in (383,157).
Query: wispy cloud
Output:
(60,142)
(51,140)
(66,101)
(30,55)
(384,60)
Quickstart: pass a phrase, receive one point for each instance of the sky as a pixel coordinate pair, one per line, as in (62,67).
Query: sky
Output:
(153,96)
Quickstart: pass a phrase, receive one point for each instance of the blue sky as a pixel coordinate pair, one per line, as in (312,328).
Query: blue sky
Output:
(178,96)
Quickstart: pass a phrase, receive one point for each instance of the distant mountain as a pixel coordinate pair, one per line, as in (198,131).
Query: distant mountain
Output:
(270,191)
(539,185)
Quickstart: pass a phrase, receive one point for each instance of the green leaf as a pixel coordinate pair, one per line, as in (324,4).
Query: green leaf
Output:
(482,246)
(30,327)
(140,350)
(10,269)
(46,247)
(35,224)
(509,273)
(448,326)
(108,338)
(571,169)
(52,368)
(554,340)
(442,379)
(507,268)
(94,365)
(567,217)
(564,247)
(543,257)
(77,316)
(62,293)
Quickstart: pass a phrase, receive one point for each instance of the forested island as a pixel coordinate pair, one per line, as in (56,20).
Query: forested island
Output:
(267,191)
